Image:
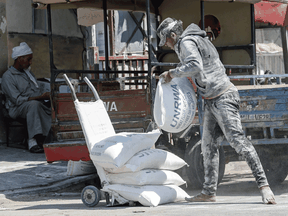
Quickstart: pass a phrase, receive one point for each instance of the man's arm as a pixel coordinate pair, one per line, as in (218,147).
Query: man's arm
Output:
(44,96)
(9,87)
(191,58)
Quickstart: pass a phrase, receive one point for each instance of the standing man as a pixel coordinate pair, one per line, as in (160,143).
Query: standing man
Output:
(24,98)
(199,59)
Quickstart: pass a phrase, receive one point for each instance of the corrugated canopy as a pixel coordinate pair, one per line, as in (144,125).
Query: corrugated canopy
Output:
(132,5)
(272,13)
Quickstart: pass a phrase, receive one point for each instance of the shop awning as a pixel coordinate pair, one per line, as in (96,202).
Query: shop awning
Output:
(132,5)
(272,13)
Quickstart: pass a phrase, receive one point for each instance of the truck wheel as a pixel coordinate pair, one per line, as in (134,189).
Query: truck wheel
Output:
(90,196)
(195,171)
(276,169)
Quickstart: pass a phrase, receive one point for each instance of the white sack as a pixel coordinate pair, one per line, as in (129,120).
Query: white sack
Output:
(95,122)
(174,105)
(149,195)
(101,173)
(76,168)
(146,177)
(151,159)
(116,150)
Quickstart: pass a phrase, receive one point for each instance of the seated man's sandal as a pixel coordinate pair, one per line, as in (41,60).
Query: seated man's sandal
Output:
(36,149)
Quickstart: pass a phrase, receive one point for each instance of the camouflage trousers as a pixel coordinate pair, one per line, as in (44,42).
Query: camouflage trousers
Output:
(222,118)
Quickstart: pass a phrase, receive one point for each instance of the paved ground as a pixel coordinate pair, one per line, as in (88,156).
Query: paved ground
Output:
(236,196)
(24,172)
(30,186)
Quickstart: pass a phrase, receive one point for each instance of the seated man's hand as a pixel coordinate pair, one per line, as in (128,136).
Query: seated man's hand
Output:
(45,96)
(166,77)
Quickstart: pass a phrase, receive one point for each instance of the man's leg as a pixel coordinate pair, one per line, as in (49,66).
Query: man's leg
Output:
(40,138)
(38,117)
(211,138)
(38,120)
(226,110)
(33,146)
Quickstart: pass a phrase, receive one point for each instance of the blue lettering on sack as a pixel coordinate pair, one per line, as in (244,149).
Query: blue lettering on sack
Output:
(177,105)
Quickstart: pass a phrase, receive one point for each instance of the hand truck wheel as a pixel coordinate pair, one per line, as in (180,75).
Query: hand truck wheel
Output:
(90,196)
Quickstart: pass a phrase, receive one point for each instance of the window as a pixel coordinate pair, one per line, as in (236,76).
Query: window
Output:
(212,27)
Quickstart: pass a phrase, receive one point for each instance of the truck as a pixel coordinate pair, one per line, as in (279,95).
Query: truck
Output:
(129,93)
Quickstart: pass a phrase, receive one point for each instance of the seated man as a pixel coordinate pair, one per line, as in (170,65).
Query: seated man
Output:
(24,98)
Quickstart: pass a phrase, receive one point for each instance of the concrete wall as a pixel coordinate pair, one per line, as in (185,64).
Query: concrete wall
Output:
(234,19)
(19,16)
(67,52)
(20,19)
(3,61)
(64,23)
(67,40)
(3,38)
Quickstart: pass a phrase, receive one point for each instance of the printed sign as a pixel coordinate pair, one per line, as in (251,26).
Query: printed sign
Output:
(110,106)
(255,117)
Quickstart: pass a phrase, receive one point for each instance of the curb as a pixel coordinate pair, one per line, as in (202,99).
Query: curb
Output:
(52,187)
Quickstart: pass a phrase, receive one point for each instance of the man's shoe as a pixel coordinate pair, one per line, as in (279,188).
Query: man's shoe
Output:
(36,149)
(201,198)
(267,195)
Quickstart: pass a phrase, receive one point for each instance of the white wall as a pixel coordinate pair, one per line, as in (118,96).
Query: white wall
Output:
(19,16)
(3,38)
(64,23)
(20,19)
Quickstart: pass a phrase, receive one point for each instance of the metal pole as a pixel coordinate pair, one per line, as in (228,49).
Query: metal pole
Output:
(199,98)
(253,40)
(202,15)
(149,47)
(285,54)
(52,66)
(149,36)
(111,30)
(93,36)
(33,20)
(157,18)
(50,37)
(106,35)
(52,76)
(95,93)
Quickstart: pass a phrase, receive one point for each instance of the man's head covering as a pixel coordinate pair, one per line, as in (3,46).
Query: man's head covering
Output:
(21,50)
(164,29)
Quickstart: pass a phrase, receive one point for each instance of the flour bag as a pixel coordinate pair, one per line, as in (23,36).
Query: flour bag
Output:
(116,150)
(175,105)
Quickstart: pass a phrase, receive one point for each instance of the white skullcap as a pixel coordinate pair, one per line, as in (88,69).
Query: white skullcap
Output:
(21,50)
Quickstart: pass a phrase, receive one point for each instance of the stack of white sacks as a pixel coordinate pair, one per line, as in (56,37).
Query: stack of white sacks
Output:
(130,169)
(136,171)
(147,175)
